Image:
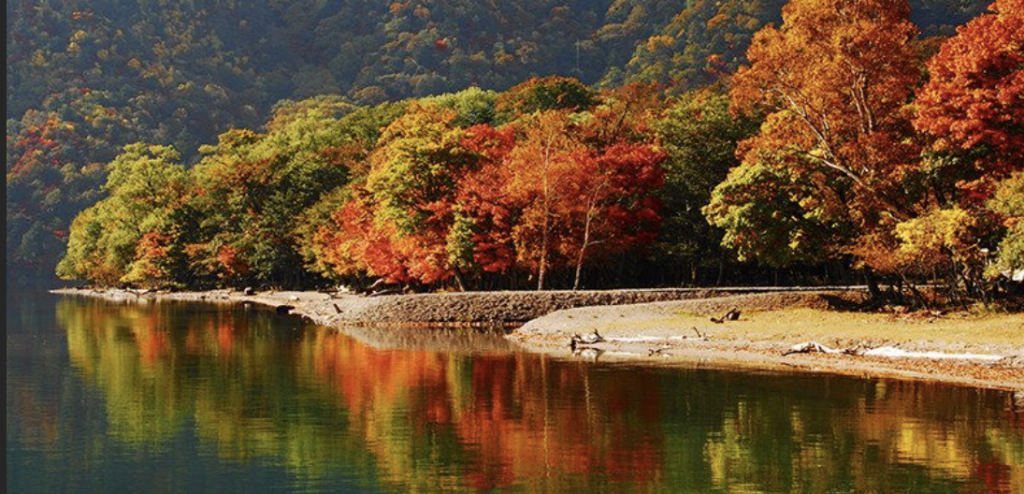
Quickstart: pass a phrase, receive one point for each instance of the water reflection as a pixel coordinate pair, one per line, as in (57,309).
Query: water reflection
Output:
(251,386)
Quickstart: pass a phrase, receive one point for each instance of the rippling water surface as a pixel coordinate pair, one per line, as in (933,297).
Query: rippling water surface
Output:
(196,398)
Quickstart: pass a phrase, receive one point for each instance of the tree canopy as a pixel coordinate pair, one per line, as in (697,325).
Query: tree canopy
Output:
(531,143)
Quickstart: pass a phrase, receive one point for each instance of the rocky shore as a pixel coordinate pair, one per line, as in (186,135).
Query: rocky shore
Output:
(466,309)
(666,327)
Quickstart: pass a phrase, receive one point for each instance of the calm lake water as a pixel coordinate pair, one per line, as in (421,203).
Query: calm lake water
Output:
(196,398)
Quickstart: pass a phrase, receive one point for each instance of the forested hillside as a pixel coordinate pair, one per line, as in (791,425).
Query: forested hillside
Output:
(86,78)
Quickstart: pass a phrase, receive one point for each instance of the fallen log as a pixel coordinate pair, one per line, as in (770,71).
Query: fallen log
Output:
(815,347)
(885,351)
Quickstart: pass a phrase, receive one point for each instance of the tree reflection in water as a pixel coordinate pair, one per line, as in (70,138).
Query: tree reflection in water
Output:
(255,385)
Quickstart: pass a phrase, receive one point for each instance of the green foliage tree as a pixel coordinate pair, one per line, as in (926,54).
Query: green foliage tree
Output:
(771,211)
(699,135)
(472,106)
(548,93)
(126,237)
(251,187)
(417,167)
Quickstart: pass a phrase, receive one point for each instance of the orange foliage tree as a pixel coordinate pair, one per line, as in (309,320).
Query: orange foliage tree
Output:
(835,79)
(542,167)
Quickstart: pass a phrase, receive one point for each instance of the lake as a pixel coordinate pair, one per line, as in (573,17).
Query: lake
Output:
(202,398)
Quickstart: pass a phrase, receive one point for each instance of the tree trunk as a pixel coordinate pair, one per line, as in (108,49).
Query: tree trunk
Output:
(721,269)
(579,265)
(876,293)
(542,268)
(459,281)
(543,259)
(583,248)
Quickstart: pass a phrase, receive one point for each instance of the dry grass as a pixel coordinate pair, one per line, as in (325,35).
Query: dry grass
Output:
(833,327)
(763,334)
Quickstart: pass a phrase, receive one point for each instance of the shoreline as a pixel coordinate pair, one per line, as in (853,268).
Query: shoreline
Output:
(672,328)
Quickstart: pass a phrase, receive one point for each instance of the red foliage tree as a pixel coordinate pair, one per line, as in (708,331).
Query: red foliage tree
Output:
(482,198)
(975,97)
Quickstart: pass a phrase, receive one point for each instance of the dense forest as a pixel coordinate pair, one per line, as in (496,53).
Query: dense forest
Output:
(518,144)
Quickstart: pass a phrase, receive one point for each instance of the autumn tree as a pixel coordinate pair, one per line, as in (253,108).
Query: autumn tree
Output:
(835,77)
(618,174)
(1008,203)
(251,188)
(972,110)
(353,245)
(486,214)
(541,165)
(612,208)
(127,237)
(408,195)
(973,103)
(562,197)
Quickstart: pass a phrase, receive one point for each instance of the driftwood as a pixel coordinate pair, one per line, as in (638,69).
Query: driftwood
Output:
(887,352)
(815,347)
(376,285)
(336,292)
(577,341)
(732,315)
